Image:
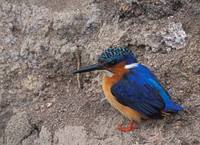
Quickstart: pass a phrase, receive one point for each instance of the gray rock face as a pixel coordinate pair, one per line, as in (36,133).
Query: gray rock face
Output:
(42,42)
(45,137)
(18,128)
(71,135)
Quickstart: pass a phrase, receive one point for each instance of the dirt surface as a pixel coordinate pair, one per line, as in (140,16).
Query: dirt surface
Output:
(41,42)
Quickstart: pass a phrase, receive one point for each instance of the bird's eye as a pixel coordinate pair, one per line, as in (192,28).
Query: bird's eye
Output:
(112,63)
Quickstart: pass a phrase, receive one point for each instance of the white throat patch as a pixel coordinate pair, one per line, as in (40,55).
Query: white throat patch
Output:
(132,65)
(108,73)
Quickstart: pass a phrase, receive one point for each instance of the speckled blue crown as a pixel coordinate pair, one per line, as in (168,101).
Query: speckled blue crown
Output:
(116,55)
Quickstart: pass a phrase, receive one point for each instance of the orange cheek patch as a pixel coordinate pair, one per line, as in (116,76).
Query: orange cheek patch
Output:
(119,69)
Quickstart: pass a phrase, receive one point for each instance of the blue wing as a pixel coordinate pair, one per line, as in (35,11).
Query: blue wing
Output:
(141,90)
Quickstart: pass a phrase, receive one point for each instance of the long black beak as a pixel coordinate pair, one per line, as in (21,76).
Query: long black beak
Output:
(89,68)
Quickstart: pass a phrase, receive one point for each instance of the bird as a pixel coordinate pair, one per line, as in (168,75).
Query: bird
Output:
(132,88)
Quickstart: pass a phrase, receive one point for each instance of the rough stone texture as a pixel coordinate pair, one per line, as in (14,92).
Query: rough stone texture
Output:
(175,36)
(45,137)
(18,128)
(71,135)
(41,102)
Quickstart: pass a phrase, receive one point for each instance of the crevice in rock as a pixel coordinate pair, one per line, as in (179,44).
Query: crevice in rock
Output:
(35,129)
(28,135)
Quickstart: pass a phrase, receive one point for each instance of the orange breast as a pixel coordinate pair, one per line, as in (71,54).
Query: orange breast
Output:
(108,82)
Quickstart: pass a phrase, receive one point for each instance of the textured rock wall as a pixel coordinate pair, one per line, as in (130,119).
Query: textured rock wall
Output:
(41,42)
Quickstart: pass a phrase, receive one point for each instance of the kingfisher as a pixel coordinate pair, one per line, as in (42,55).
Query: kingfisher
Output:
(132,88)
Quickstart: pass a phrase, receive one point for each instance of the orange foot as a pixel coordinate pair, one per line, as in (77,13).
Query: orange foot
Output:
(131,126)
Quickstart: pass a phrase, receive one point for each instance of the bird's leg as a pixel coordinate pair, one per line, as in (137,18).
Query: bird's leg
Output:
(164,114)
(131,126)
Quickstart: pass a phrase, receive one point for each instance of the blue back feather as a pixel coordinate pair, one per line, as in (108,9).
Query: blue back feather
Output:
(141,90)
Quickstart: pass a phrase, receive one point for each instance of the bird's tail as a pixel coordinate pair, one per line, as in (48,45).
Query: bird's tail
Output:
(173,107)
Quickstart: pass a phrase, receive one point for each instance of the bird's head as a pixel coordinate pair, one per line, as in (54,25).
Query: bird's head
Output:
(110,59)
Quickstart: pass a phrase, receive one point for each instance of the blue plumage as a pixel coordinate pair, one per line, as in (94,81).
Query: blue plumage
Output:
(140,89)
(132,89)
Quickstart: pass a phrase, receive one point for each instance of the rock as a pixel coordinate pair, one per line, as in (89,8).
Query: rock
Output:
(174,36)
(31,82)
(30,139)
(49,104)
(169,49)
(196,69)
(154,49)
(45,137)
(18,129)
(71,135)
(1,141)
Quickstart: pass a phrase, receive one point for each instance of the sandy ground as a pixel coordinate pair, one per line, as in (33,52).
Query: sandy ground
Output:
(41,42)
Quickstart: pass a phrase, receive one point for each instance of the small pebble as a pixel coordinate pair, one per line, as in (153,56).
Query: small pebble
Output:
(49,105)
(169,49)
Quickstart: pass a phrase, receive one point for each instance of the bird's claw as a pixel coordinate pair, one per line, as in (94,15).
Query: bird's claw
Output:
(131,126)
